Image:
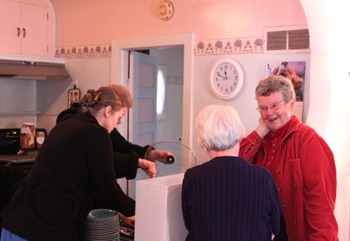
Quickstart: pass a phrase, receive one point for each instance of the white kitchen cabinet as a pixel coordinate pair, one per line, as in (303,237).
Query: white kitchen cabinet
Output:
(24,28)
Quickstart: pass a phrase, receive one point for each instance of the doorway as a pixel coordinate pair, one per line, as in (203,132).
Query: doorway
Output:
(156,83)
(120,52)
(120,73)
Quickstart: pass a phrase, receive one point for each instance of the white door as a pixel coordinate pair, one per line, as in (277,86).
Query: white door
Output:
(143,116)
(143,83)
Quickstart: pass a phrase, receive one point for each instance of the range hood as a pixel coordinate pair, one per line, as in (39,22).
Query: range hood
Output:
(34,69)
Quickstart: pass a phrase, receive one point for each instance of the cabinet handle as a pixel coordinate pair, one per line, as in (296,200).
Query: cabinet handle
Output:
(24,33)
(18,32)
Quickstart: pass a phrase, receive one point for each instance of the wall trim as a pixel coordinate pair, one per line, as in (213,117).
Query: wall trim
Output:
(229,46)
(245,45)
(85,51)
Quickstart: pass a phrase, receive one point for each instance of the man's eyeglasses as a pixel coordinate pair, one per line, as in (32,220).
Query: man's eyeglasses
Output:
(274,106)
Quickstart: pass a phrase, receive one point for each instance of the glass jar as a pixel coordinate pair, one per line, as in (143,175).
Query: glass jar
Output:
(39,139)
(27,137)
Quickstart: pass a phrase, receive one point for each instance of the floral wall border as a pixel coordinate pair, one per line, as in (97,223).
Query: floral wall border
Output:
(201,47)
(87,51)
(229,46)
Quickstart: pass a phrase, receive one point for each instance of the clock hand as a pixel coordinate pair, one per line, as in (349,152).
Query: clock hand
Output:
(224,77)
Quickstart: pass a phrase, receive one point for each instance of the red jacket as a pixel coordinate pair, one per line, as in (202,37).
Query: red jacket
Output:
(304,171)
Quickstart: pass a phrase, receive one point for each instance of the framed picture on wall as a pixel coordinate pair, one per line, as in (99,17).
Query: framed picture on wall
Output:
(293,70)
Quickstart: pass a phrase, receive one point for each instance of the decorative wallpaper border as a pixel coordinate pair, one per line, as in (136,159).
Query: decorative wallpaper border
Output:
(91,51)
(229,46)
(201,47)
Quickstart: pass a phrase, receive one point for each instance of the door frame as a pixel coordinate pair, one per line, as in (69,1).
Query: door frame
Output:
(119,71)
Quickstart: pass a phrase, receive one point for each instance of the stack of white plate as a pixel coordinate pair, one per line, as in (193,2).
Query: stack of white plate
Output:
(102,224)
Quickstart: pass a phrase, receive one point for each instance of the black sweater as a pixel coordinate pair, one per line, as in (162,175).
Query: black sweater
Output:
(229,199)
(74,163)
(126,154)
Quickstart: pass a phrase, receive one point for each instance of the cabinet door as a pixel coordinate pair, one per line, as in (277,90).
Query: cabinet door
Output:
(9,38)
(23,29)
(34,24)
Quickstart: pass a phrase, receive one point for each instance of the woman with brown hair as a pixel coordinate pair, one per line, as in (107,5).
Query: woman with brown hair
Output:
(74,164)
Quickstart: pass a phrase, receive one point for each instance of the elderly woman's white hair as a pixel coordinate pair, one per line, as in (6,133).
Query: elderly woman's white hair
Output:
(219,127)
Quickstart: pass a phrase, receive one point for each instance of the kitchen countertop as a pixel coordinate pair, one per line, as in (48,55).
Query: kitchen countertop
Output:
(15,159)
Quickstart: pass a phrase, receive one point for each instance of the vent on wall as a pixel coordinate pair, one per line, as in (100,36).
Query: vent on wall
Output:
(291,40)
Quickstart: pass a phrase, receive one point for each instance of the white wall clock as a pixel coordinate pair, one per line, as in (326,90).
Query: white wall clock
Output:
(226,78)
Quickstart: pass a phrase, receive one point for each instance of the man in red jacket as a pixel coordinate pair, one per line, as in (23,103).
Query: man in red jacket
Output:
(300,161)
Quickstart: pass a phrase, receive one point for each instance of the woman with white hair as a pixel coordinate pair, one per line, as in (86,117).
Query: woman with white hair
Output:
(227,198)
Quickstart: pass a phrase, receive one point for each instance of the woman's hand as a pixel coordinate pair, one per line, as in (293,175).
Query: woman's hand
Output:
(126,220)
(148,167)
(159,155)
(262,128)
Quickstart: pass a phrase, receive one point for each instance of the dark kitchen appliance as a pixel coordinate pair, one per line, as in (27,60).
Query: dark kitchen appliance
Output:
(9,140)
(14,165)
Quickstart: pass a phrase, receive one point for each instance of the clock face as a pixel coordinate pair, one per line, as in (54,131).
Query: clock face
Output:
(226,78)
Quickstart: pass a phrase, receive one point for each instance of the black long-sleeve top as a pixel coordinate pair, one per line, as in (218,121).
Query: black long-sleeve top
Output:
(229,199)
(125,154)
(74,164)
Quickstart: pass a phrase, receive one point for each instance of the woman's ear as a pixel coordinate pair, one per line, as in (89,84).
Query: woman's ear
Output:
(108,111)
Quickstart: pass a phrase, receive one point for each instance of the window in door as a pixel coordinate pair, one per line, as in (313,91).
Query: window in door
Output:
(161,91)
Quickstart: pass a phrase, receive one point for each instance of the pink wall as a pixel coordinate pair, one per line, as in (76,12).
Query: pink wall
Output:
(82,22)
